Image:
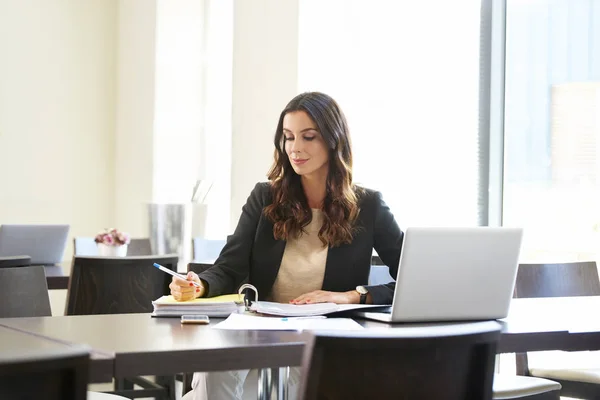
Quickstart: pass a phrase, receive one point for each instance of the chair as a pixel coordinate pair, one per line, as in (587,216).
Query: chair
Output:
(117,285)
(561,280)
(206,249)
(24,293)
(85,246)
(139,247)
(120,285)
(437,362)
(54,374)
(198,267)
(380,275)
(15,261)
(516,387)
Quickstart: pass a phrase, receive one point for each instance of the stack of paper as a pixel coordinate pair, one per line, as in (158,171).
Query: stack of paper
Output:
(304,310)
(220,306)
(293,310)
(250,322)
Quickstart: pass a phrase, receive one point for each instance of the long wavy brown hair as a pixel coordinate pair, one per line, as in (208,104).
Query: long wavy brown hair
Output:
(290,212)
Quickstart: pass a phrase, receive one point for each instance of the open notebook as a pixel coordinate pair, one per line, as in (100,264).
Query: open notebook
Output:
(298,310)
(223,306)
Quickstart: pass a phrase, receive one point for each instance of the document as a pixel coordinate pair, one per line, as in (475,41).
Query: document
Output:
(299,310)
(305,310)
(252,322)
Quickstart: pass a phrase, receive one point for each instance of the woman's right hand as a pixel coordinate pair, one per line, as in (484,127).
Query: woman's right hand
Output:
(184,289)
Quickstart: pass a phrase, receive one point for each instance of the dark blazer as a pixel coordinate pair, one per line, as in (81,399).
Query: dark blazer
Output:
(253,252)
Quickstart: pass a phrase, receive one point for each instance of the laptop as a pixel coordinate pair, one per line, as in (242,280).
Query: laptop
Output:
(454,274)
(45,244)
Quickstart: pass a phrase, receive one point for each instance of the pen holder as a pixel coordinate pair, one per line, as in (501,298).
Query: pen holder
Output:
(170,229)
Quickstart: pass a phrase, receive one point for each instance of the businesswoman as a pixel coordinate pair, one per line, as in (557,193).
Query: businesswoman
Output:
(304,237)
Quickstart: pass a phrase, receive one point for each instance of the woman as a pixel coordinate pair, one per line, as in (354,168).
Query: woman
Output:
(304,237)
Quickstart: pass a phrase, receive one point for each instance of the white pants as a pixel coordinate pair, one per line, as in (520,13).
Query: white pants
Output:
(234,385)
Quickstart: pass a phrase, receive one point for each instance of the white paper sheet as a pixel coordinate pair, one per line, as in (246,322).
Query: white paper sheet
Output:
(251,322)
(305,310)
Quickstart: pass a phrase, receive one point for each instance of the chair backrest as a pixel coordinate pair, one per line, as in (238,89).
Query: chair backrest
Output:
(437,362)
(85,246)
(557,280)
(24,292)
(380,275)
(52,374)
(139,247)
(15,261)
(554,280)
(206,249)
(117,285)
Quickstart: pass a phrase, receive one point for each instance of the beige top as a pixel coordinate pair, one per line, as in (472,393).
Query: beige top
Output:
(303,263)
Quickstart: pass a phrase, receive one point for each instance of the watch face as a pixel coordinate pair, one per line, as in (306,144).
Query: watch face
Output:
(361,290)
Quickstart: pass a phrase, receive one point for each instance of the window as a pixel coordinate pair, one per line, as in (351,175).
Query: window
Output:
(406,75)
(552,124)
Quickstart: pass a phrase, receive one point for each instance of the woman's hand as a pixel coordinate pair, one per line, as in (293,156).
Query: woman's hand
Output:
(321,296)
(184,289)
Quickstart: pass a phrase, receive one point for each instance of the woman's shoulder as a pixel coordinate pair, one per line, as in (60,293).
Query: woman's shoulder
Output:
(366,195)
(262,192)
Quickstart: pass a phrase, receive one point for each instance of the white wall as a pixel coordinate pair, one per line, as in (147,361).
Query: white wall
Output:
(265,79)
(57,114)
(135,114)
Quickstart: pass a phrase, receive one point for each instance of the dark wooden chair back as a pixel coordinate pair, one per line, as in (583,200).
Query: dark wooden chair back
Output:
(15,261)
(50,375)
(139,247)
(450,362)
(554,280)
(117,285)
(557,280)
(198,267)
(24,292)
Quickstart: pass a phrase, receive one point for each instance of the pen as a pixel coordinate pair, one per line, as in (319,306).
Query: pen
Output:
(168,271)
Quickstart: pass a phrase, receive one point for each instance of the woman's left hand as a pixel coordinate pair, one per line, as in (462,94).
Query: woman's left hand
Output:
(322,296)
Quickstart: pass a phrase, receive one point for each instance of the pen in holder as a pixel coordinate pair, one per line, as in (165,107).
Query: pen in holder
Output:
(246,298)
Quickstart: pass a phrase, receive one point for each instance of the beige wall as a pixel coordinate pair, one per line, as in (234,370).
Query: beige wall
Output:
(135,114)
(57,114)
(265,79)
(79,109)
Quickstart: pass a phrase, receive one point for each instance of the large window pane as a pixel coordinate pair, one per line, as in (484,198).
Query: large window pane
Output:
(406,75)
(552,123)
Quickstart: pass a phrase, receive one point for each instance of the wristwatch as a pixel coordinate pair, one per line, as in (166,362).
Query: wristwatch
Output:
(363,294)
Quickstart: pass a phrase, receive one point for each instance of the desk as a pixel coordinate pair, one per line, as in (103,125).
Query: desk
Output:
(57,276)
(17,343)
(559,323)
(142,345)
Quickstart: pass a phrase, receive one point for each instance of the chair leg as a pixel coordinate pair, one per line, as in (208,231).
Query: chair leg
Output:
(187,383)
(123,384)
(168,382)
